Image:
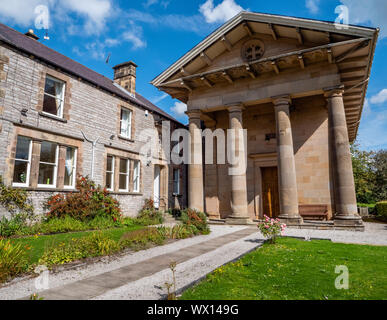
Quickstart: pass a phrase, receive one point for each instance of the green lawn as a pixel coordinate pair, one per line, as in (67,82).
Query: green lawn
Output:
(295,269)
(39,243)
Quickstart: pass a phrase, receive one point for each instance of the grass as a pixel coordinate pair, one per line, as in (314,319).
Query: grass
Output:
(298,270)
(38,244)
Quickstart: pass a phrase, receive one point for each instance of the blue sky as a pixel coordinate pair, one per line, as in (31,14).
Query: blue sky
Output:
(155,33)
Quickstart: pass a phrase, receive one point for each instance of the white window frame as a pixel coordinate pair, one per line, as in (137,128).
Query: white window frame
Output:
(136,175)
(74,168)
(176,181)
(27,183)
(53,185)
(128,125)
(60,115)
(112,172)
(126,174)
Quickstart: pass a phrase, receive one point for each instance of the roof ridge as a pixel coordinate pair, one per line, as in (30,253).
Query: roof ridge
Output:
(105,82)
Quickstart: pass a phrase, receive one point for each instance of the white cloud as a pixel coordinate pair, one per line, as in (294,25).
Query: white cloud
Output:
(93,13)
(21,12)
(371,11)
(373,130)
(381,97)
(195,23)
(312,5)
(135,37)
(160,98)
(149,3)
(221,13)
(179,109)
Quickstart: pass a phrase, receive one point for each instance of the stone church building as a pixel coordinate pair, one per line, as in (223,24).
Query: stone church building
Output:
(298,86)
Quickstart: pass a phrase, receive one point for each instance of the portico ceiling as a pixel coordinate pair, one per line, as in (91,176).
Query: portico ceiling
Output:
(313,43)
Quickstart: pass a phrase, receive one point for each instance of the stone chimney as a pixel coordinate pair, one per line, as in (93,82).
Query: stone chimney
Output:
(31,34)
(125,76)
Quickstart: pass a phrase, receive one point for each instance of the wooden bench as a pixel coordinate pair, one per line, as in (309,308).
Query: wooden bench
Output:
(314,211)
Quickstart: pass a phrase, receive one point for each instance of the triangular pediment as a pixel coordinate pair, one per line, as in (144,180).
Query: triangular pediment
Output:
(303,33)
(254,47)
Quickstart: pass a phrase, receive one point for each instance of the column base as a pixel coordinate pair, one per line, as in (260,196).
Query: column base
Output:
(348,221)
(291,221)
(239,220)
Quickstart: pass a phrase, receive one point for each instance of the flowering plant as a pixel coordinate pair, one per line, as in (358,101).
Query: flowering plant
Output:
(88,202)
(271,228)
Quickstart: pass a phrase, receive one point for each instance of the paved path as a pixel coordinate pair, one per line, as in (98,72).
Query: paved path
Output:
(105,279)
(142,275)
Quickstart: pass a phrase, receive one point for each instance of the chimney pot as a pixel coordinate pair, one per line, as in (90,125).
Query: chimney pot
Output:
(31,34)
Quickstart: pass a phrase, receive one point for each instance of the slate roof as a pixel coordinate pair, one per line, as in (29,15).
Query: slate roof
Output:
(32,47)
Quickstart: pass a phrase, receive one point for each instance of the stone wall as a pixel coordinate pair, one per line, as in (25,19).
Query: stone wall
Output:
(87,109)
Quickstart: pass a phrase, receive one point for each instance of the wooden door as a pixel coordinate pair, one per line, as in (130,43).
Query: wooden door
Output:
(270,195)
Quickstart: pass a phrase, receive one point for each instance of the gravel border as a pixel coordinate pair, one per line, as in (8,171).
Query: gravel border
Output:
(25,286)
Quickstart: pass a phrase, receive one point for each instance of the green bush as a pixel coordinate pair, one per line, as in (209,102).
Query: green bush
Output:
(371,207)
(89,202)
(97,244)
(17,224)
(149,215)
(381,209)
(139,239)
(195,218)
(15,200)
(12,260)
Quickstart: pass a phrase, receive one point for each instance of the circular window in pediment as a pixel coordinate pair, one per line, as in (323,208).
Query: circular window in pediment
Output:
(253,50)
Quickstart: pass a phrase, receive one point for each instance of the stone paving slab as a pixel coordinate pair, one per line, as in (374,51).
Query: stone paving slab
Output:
(98,285)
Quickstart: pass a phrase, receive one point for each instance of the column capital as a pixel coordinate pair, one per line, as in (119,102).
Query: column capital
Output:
(333,92)
(194,114)
(281,100)
(235,108)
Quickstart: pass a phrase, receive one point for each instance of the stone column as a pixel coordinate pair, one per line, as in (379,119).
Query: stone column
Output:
(286,164)
(211,196)
(239,213)
(195,167)
(344,185)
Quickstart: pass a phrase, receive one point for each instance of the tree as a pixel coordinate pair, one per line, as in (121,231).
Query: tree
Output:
(379,166)
(363,174)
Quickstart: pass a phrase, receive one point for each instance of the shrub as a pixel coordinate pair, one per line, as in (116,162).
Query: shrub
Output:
(183,231)
(371,207)
(381,209)
(140,238)
(97,244)
(195,218)
(15,225)
(57,225)
(271,228)
(12,260)
(91,201)
(149,215)
(15,200)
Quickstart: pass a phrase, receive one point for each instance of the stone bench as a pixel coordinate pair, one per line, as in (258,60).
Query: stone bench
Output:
(315,211)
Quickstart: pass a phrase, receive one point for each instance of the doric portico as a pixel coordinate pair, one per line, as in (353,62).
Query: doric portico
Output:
(297,87)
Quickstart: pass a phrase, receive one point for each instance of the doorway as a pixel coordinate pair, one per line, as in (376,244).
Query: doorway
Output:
(270,194)
(156,187)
